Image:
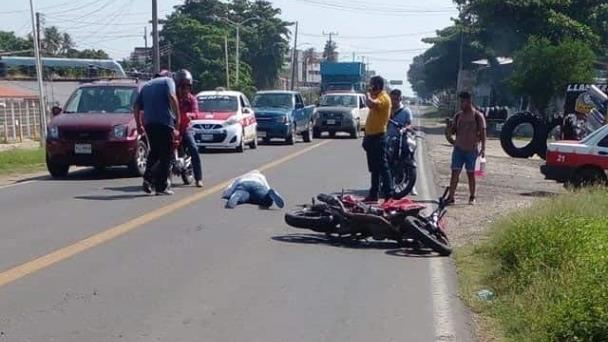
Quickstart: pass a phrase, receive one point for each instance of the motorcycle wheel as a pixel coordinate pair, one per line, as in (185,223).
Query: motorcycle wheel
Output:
(404,181)
(188,176)
(313,217)
(437,241)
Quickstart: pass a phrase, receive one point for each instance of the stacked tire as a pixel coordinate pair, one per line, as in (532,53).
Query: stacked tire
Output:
(538,143)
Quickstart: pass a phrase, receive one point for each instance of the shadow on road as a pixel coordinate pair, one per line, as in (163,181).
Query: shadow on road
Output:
(93,174)
(392,248)
(128,192)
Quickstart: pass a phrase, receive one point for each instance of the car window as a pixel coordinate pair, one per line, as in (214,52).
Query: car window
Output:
(603,142)
(339,101)
(299,100)
(273,100)
(217,103)
(362,102)
(102,100)
(247,103)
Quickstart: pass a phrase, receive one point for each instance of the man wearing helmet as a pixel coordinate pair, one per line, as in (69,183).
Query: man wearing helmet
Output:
(160,119)
(188,106)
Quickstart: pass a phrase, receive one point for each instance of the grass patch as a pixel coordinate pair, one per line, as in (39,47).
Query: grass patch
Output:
(21,160)
(548,266)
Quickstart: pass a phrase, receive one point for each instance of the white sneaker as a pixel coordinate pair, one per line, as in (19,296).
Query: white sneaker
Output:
(166,192)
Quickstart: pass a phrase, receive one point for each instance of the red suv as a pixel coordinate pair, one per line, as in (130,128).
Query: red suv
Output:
(96,128)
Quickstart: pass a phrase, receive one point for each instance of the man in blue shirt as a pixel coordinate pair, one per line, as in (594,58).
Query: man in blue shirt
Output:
(403,116)
(160,119)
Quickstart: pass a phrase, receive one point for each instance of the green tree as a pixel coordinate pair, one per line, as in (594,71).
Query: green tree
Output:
(543,69)
(9,42)
(330,52)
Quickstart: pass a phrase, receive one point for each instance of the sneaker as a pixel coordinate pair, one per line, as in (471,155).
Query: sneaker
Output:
(276,198)
(450,201)
(232,202)
(147,186)
(414,192)
(166,192)
(199,184)
(472,200)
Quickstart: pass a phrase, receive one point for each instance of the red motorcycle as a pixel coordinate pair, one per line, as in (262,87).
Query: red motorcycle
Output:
(399,220)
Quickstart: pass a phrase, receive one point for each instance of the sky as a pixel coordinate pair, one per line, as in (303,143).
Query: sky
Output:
(387,33)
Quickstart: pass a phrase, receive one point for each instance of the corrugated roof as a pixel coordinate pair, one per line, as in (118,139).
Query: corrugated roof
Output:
(7,92)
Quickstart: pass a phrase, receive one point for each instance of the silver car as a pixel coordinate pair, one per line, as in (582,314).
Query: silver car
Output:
(341,112)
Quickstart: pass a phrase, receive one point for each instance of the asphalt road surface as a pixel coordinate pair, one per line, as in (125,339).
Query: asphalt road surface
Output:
(91,258)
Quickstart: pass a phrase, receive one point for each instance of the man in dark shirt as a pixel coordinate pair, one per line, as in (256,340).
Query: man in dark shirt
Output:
(160,119)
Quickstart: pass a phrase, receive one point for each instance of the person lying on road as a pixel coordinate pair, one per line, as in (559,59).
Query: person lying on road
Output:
(252,188)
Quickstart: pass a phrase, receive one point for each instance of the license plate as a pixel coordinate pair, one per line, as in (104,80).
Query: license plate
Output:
(83,149)
(331,122)
(206,137)
(261,134)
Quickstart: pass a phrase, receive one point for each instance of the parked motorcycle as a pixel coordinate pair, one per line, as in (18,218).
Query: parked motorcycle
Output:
(399,220)
(401,155)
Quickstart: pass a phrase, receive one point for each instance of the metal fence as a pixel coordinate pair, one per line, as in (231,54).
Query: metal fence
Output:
(19,119)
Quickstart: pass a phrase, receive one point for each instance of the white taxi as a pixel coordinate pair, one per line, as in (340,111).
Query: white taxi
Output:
(225,121)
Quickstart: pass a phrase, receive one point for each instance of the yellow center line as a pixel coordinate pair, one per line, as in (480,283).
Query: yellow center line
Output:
(35,265)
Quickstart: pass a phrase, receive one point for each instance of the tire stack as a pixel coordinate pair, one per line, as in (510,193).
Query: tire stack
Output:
(538,143)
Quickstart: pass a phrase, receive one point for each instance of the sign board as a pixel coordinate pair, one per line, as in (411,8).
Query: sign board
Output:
(396,82)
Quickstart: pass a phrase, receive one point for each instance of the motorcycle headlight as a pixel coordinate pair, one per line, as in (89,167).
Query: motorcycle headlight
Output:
(120,131)
(53,133)
(232,121)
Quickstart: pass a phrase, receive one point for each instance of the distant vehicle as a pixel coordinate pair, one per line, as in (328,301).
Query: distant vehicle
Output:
(282,114)
(579,163)
(339,76)
(225,121)
(341,112)
(96,128)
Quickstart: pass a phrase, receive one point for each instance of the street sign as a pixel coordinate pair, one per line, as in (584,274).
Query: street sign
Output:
(396,82)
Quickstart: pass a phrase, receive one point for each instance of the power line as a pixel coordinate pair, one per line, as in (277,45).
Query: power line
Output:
(387,11)
(388,36)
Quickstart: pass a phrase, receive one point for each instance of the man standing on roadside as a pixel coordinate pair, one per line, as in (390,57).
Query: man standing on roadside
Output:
(470,129)
(161,117)
(374,142)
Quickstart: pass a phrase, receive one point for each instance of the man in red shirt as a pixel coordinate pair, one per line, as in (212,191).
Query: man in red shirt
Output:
(188,105)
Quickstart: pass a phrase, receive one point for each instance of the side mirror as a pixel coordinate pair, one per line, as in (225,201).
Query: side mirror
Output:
(299,105)
(317,104)
(56,110)
(246,111)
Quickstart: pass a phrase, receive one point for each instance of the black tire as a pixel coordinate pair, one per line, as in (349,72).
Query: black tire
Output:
(254,144)
(57,170)
(188,177)
(310,217)
(506,135)
(291,139)
(407,181)
(437,242)
(241,147)
(332,135)
(354,134)
(308,135)
(137,167)
(587,177)
(316,133)
(541,149)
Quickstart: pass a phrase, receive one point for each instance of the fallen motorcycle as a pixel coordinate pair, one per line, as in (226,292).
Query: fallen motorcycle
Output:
(400,220)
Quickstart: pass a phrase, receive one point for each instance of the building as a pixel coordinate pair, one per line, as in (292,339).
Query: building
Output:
(308,68)
(141,55)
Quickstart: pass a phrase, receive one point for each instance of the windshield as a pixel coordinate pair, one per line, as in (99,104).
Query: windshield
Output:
(102,100)
(273,100)
(338,101)
(217,103)
(594,134)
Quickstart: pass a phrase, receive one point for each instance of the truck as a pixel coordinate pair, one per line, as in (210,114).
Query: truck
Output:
(343,76)
(282,114)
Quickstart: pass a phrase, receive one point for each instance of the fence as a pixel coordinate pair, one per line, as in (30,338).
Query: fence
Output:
(19,119)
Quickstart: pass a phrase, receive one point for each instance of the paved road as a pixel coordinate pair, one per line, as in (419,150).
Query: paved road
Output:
(92,259)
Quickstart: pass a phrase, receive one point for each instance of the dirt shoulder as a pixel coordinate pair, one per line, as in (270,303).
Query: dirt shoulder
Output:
(509,184)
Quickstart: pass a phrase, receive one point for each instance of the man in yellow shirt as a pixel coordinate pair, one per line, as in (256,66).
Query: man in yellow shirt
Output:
(374,143)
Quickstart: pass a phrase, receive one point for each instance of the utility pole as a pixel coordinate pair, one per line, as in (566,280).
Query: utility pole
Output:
(331,34)
(155,45)
(238,52)
(39,77)
(227,62)
(294,58)
(38,30)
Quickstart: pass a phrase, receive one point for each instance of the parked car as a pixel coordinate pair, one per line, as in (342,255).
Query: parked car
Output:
(225,121)
(341,112)
(282,114)
(96,128)
(578,163)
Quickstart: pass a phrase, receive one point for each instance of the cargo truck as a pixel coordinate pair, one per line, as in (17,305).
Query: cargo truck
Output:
(338,76)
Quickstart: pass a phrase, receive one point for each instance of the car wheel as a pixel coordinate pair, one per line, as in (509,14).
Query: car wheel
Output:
(241,147)
(254,144)
(308,135)
(291,139)
(354,134)
(57,170)
(137,167)
(316,133)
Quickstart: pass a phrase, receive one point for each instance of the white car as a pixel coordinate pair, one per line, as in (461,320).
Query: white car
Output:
(225,121)
(341,112)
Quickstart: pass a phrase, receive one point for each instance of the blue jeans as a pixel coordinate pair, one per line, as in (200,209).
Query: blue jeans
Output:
(251,192)
(462,158)
(188,142)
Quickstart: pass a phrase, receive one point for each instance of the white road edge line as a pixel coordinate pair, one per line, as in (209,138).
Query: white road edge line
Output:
(442,311)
